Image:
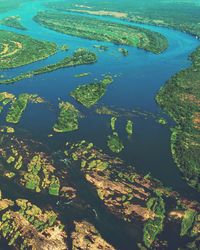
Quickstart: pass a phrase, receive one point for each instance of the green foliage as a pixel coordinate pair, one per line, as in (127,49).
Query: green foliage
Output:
(80,57)
(18,50)
(82,74)
(89,94)
(67,119)
(180,14)
(180,98)
(154,226)
(114,143)
(113,122)
(187,221)
(96,29)
(162,121)
(129,127)
(17,108)
(54,186)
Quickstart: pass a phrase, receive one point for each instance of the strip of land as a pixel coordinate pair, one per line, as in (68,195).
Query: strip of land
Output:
(100,30)
(80,57)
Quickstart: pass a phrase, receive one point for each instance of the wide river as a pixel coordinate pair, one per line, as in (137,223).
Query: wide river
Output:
(141,74)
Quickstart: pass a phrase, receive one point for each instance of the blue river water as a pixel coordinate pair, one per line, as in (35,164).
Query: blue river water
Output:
(140,76)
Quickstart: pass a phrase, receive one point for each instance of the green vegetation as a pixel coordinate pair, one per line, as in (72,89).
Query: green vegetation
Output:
(179,14)
(133,197)
(18,106)
(17,50)
(154,226)
(82,74)
(96,29)
(187,222)
(113,122)
(114,143)
(67,119)
(13,21)
(162,121)
(180,97)
(90,94)
(32,179)
(129,127)
(33,169)
(54,186)
(80,57)
(20,218)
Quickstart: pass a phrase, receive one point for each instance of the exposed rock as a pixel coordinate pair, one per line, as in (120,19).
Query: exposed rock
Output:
(86,237)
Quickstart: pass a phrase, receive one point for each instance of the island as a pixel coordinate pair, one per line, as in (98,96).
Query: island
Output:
(90,94)
(13,21)
(67,119)
(100,30)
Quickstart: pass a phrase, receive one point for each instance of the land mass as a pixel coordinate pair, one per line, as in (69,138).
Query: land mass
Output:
(96,29)
(18,50)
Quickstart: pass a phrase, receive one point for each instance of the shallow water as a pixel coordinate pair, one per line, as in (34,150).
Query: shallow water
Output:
(141,74)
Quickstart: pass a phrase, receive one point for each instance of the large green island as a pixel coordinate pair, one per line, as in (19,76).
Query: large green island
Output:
(96,29)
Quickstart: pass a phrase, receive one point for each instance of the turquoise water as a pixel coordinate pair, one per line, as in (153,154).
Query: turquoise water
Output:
(141,75)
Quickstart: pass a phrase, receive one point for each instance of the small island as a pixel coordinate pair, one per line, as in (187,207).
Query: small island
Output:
(90,94)
(13,21)
(67,119)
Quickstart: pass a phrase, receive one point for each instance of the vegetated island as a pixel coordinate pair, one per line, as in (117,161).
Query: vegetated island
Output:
(80,57)
(67,119)
(13,21)
(82,74)
(114,143)
(180,97)
(138,199)
(129,127)
(95,29)
(17,104)
(18,50)
(90,94)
